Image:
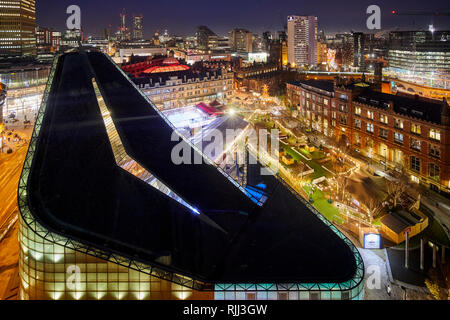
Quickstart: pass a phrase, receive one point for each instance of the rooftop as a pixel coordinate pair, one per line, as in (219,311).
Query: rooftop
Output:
(88,198)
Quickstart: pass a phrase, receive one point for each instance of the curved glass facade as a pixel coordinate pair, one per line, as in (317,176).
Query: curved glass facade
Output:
(52,266)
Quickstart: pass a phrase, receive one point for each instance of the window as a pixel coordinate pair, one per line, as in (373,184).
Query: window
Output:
(415,179)
(343,120)
(333,103)
(398,124)
(435,151)
(415,144)
(308,95)
(370,114)
(325,102)
(415,128)
(358,123)
(384,119)
(250,296)
(314,296)
(415,164)
(358,111)
(345,295)
(313,97)
(325,112)
(283,296)
(435,134)
(384,133)
(303,93)
(343,108)
(333,115)
(370,127)
(398,137)
(434,172)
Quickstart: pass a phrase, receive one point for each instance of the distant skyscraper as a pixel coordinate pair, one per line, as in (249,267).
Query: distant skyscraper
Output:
(302,40)
(204,37)
(138,30)
(266,40)
(17,28)
(124,32)
(241,40)
(358,47)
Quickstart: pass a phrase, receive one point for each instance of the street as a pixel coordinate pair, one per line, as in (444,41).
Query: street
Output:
(10,170)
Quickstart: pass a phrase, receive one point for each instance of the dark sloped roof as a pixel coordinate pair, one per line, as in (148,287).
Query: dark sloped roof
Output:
(415,107)
(319,84)
(76,189)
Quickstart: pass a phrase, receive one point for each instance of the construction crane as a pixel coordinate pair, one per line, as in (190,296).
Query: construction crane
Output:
(433,14)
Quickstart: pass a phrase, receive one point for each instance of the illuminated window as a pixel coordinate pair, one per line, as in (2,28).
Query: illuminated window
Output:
(435,134)
(398,124)
(370,114)
(384,119)
(415,179)
(370,127)
(250,296)
(415,144)
(398,137)
(358,123)
(415,128)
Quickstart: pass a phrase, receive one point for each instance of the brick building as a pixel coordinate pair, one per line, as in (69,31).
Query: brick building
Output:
(405,133)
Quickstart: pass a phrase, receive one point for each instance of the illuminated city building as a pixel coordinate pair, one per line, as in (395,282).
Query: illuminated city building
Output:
(240,40)
(421,57)
(47,40)
(358,47)
(206,39)
(173,89)
(138,29)
(302,40)
(403,132)
(17,28)
(127,223)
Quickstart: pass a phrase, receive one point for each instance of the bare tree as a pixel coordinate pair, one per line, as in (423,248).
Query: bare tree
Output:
(373,206)
(395,190)
(342,182)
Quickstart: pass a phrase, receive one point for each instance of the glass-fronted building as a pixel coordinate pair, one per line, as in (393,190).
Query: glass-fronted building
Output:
(421,57)
(105,215)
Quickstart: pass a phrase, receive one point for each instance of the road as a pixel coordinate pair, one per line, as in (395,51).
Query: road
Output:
(10,170)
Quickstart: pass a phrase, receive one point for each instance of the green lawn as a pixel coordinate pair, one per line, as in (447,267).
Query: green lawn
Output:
(318,170)
(323,206)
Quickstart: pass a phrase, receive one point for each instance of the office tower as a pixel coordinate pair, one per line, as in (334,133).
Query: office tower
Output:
(138,31)
(421,57)
(302,40)
(282,36)
(241,40)
(124,32)
(266,40)
(204,37)
(17,28)
(358,50)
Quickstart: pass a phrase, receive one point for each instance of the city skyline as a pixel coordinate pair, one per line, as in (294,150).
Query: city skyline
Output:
(255,16)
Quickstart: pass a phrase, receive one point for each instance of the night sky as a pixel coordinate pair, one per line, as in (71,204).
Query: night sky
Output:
(182,16)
